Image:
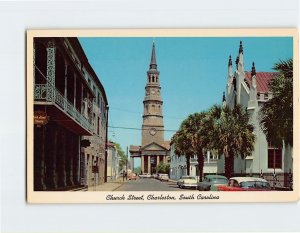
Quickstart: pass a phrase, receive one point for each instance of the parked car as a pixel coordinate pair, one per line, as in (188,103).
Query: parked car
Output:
(164,177)
(133,176)
(155,175)
(145,175)
(187,182)
(211,182)
(245,184)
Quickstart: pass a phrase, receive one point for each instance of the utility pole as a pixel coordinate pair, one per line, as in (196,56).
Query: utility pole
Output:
(126,162)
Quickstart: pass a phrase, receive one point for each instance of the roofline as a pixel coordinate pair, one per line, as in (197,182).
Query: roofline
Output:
(75,41)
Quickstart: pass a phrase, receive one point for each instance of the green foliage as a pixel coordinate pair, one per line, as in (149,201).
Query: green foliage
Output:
(231,134)
(276,115)
(122,155)
(163,168)
(137,170)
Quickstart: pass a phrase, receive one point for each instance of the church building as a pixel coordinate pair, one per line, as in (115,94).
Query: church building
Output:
(251,90)
(153,149)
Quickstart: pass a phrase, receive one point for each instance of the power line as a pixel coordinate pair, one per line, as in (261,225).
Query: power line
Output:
(140,113)
(131,128)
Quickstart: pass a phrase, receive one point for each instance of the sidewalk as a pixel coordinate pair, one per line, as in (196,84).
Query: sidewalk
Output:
(108,186)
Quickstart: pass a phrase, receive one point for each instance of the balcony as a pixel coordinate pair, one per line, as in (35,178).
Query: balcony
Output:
(63,111)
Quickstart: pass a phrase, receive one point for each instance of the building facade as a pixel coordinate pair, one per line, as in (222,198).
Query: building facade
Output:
(153,149)
(70,116)
(178,164)
(113,159)
(250,89)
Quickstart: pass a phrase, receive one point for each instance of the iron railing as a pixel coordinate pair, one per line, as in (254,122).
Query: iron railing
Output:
(48,93)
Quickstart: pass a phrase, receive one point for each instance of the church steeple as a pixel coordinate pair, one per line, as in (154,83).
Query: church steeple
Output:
(153,64)
(153,126)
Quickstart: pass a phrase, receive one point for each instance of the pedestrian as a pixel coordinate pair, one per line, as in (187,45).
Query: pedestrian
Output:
(123,175)
(126,175)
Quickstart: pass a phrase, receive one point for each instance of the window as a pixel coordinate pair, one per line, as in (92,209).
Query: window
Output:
(274,158)
(266,96)
(98,126)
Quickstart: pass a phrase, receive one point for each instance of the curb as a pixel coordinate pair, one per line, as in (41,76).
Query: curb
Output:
(120,184)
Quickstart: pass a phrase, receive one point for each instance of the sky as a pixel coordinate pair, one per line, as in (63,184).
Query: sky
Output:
(193,74)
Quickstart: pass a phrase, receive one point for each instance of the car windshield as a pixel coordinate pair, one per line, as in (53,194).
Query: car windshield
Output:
(219,180)
(255,184)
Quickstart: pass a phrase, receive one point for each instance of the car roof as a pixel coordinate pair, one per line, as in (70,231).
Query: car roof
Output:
(216,176)
(246,179)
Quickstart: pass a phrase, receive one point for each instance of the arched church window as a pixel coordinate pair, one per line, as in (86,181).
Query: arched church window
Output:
(156,79)
(152,78)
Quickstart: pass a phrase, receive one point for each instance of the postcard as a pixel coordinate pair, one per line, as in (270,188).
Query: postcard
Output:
(162,116)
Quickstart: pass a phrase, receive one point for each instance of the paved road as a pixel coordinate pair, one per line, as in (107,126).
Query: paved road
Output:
(149,184)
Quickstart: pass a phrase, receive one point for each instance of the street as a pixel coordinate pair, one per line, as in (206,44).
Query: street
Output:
(149,184)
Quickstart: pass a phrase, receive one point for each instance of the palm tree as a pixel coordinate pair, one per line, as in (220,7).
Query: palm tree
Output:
(192,139)
(276,115)
(183,146)
(232,135)
(197,134)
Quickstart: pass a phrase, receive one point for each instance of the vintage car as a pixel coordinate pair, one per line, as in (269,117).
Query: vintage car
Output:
(145,175)
(133,176)
(211,182)
(163,177)
(187,182)
(245,184)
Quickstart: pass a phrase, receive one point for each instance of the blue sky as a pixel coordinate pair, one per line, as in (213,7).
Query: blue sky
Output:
(193,74)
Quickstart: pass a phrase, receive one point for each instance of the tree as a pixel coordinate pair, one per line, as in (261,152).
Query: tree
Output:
(196,132)
(191,139)
(122,155)
(163,168)
(276,115)
(183,145)
(231,134)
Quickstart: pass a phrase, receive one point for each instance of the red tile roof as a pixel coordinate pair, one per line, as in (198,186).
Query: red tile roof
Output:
(262,80)
(110,144)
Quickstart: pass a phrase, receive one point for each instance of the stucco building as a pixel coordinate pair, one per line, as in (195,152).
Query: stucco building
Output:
(113,159)
(70,116)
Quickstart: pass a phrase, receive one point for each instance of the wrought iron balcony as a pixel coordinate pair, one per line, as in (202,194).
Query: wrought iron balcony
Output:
(49,94)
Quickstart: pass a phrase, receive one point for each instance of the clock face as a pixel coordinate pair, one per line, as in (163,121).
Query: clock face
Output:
(152,131)
(152,92)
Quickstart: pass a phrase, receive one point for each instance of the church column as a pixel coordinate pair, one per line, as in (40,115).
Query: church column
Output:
(132,163)
(164,158)
(149,164)
(142,164)
(157,163)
